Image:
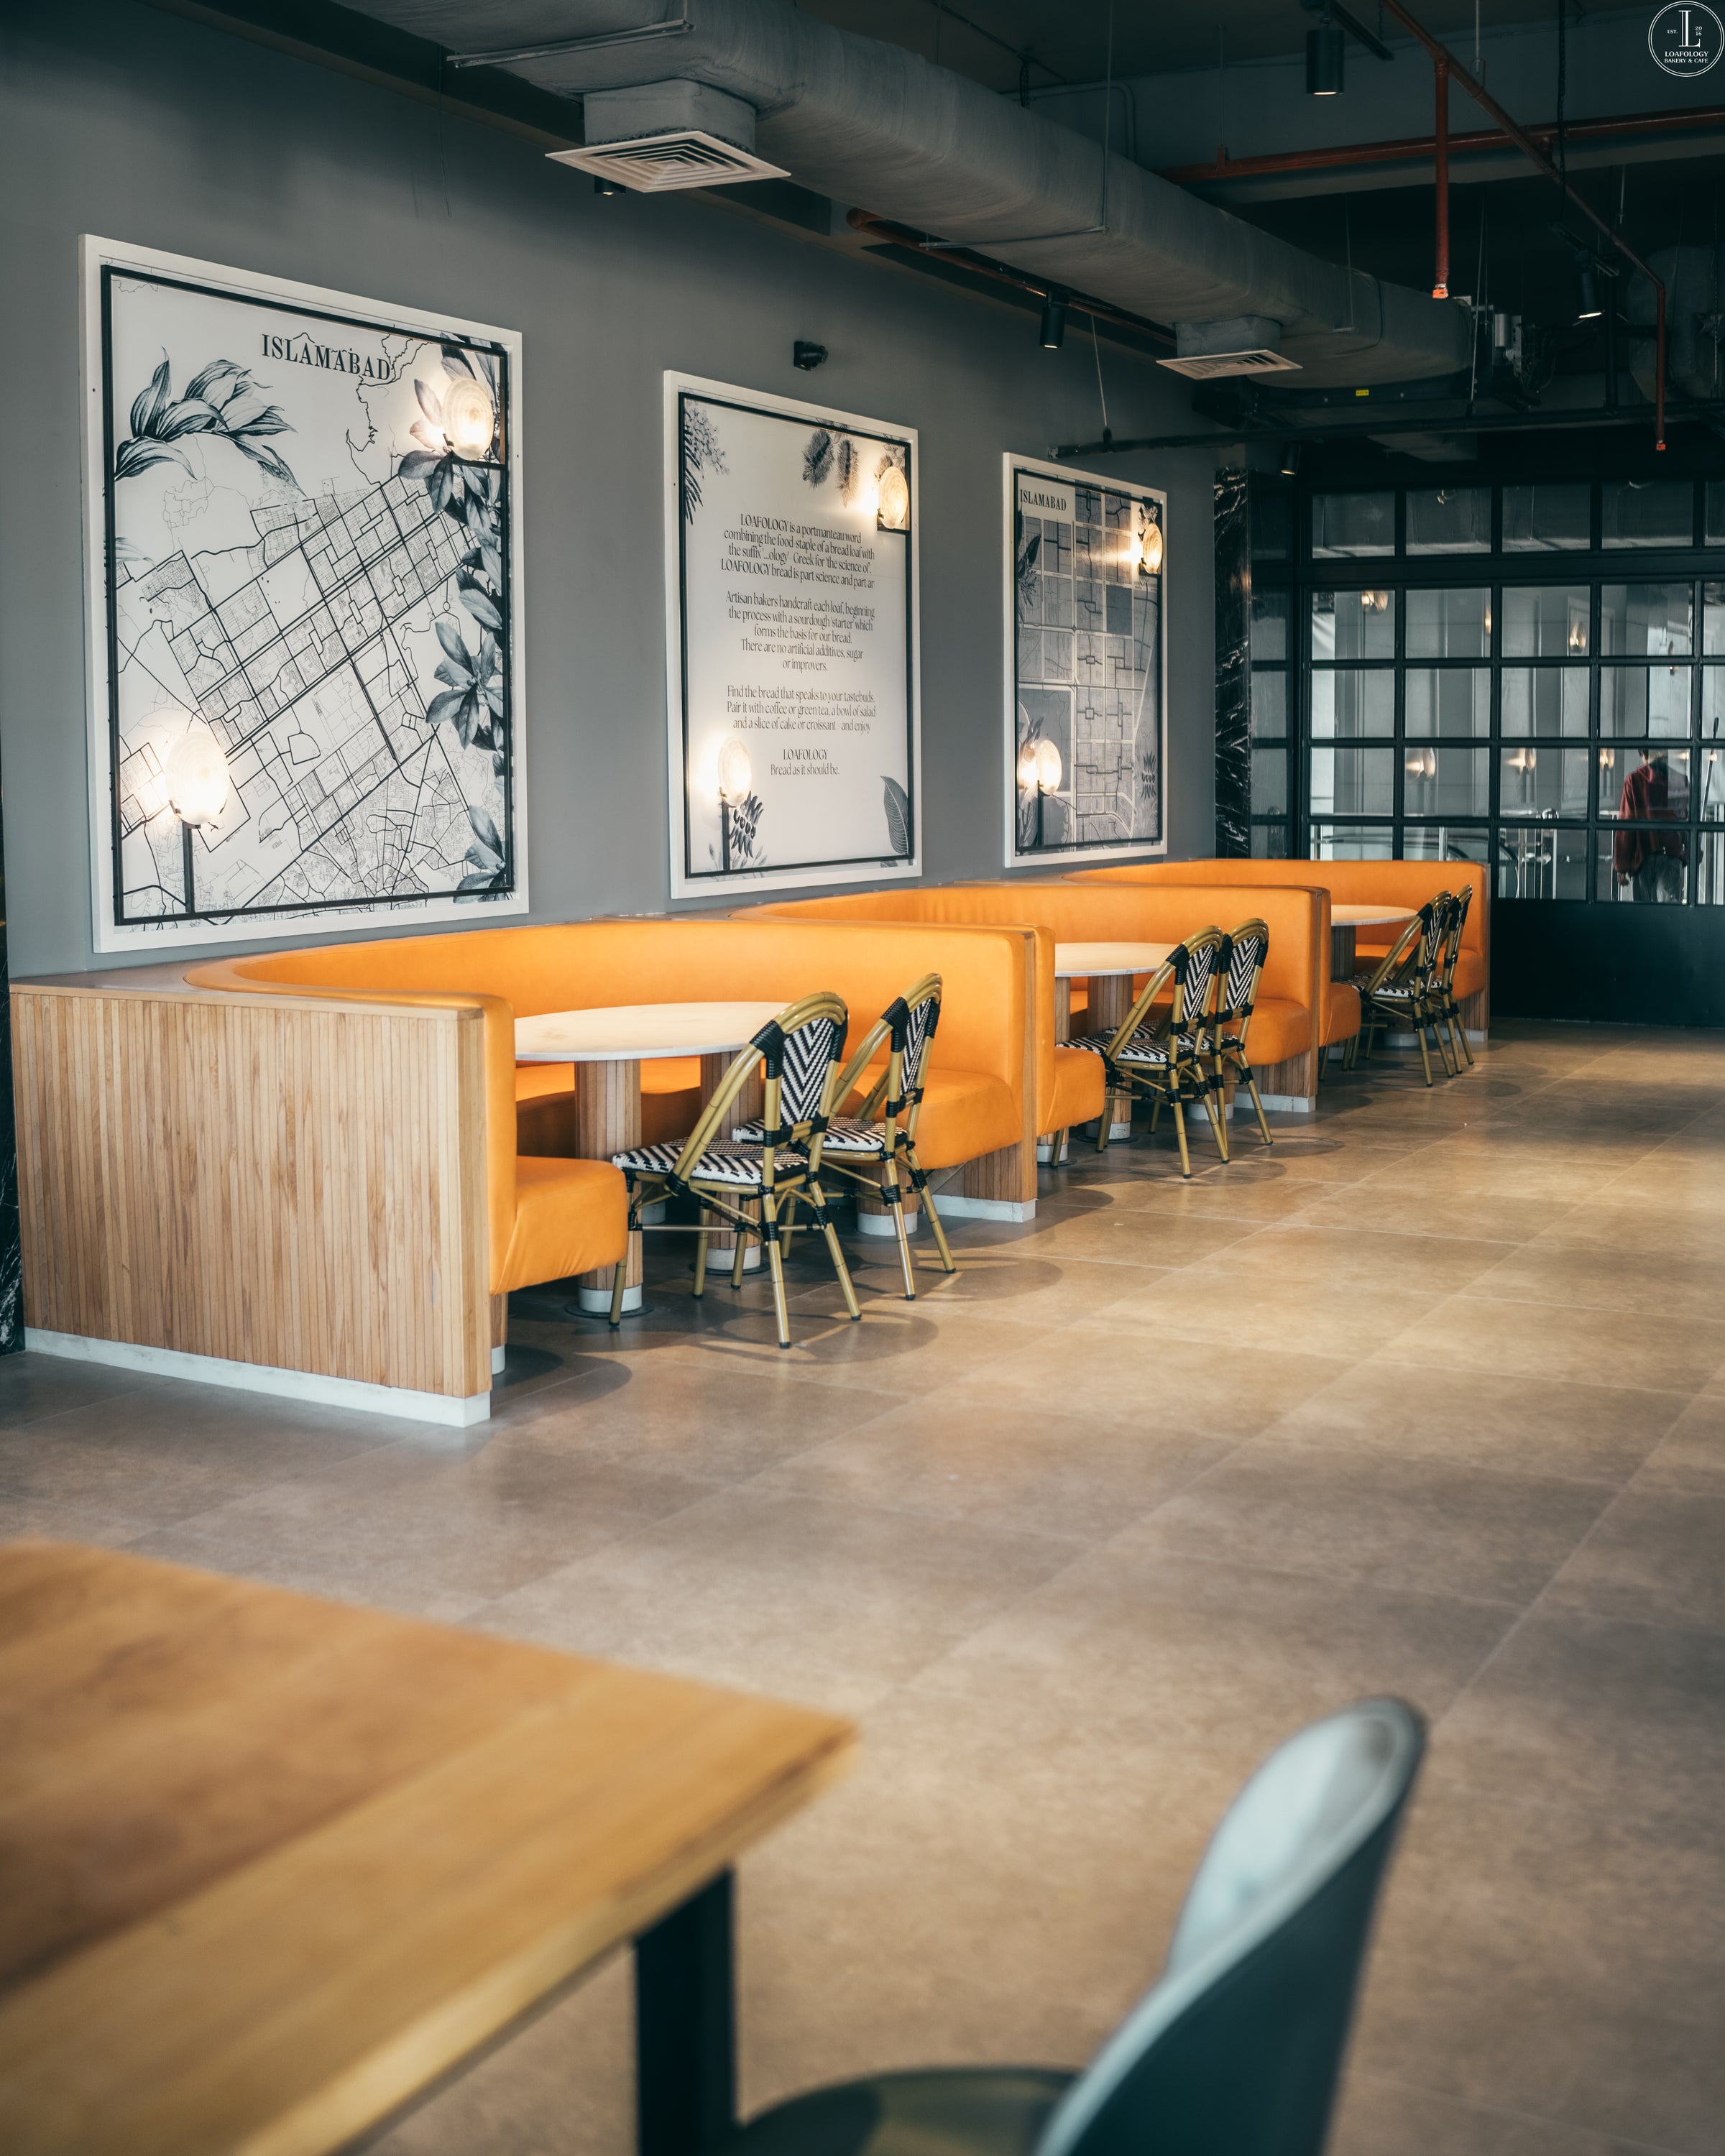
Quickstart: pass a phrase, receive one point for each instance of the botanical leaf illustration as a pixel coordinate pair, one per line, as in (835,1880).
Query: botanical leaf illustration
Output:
(898,818)
(745,824)
(700,452)
(818,457)
(484,856)
(848,464)
(221,400)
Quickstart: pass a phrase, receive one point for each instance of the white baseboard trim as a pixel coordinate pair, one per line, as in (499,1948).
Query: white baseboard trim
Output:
(261,1378)
(955,1206)
(880,1224)
(1290,1104)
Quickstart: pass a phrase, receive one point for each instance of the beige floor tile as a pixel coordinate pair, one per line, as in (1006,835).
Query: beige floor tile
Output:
(1236,1305)
(1379,2118)
(844,1601)
(1133,1379)
(1344,1261)
(951,1456)
(1618,1719)
(1213,1659)
(1424,1524)
(1665,1286)
(1552,1965)
(1482,1420)
(1624,1229)
(1472,1216)
(1691,1455)
(1545,1340)
(1655,1557)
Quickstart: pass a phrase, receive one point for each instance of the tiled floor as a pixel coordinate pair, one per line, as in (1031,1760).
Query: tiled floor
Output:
(1430,1400)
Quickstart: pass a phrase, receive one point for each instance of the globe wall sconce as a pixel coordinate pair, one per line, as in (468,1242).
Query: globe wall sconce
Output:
(1039,772)
(892,502)
(196,777)
(735,781)
(469,418)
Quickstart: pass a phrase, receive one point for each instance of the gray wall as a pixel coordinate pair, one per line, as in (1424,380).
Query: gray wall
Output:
(119,119)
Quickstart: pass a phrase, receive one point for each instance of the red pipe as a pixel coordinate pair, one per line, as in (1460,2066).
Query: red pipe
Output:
(1414,146)
(1441,280)
(1441,53)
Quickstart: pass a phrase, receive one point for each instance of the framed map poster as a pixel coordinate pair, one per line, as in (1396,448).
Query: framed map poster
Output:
(302,540)
(1086,665)
(790,642)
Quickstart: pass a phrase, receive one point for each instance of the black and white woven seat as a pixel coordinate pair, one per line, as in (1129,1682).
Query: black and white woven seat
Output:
(876,1154)
(1146,1047)
(1164,1063)
(722,1161)
(798,1053)
(1405,991)
(847,1134)
(1243,951)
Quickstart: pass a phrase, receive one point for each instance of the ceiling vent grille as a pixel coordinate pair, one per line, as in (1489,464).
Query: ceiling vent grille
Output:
(652,164)
(1210,366)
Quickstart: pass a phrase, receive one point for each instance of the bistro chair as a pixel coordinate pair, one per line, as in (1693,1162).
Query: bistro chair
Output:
(1165,1064)
(1401,991)
(799,1049)
(1242,962)
(1449,1011)
(875,1152)
(1236,2050)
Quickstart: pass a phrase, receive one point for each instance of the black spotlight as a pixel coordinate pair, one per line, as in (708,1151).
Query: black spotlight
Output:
(1587,308)
(808,356)
(1324,47)
(603,186)
(1053,321)
(1291,459)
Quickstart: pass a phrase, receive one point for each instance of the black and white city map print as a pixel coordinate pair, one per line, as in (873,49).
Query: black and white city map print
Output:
(309,561)
(1087,664)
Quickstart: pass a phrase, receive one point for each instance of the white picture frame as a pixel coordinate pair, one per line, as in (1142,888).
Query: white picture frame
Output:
(311,819)
(850,795)
(1063,481)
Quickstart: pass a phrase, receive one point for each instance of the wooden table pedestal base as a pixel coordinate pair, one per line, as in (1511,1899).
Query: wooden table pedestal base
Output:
(607,1120)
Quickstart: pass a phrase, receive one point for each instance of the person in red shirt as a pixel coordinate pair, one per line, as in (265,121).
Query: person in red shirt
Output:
(1651,863)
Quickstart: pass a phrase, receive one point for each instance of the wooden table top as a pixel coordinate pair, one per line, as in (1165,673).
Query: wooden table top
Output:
(269,1865)
(1366,915)
(639,1033)
(1099,959)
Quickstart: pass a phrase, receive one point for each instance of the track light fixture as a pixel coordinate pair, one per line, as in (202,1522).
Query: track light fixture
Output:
(1325,48)
(603,186)
(1053,321)
(1587,308)
(1291,459)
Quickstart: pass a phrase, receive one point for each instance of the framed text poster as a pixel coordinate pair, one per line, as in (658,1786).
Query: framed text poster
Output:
(790,642)
(1087,665)
(302,540)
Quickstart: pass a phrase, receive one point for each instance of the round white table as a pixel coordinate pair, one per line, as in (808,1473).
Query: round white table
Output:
(1108,967)
(607,1047)
(1345,919)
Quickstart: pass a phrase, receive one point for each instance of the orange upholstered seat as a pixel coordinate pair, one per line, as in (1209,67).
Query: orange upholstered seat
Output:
(1081,910)
(1342,1022)
(977,1086)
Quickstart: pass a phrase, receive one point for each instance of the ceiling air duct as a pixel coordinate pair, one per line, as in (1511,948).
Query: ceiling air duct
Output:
(1207,352)
(665,135)
(871,124)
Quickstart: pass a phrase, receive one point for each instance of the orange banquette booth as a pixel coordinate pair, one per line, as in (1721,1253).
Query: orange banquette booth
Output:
(319,1172)
(1390,883)
(1069,1080)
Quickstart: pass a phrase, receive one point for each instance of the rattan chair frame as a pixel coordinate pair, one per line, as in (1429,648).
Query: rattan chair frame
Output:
(1182,1079)
(782,1184)
(1228,1027)
(1408,969)
(1449,1011)
(897,1100)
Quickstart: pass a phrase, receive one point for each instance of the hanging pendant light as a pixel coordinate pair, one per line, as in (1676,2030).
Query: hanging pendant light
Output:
(1325,47)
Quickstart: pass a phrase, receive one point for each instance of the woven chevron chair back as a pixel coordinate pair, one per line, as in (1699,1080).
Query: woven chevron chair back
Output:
(1243,952)
(906,1028)
(799,1051)
(1400,961)
(1459,902)
(1194,968)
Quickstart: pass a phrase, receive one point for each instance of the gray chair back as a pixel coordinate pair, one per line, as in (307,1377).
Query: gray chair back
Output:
(1236,2050)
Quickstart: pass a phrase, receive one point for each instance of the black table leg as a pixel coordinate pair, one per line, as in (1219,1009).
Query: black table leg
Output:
(685,2028)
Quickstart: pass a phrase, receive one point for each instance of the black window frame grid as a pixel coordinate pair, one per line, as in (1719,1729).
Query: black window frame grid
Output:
(1594,567)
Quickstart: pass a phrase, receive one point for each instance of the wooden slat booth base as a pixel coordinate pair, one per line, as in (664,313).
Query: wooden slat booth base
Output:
(1292,1085)
(269,1181)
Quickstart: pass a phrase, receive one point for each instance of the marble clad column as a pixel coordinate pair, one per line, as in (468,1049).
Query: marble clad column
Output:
(1234,663)
(11,1310)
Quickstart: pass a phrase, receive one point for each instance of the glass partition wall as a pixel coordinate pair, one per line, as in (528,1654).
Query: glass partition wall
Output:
(1531,677)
